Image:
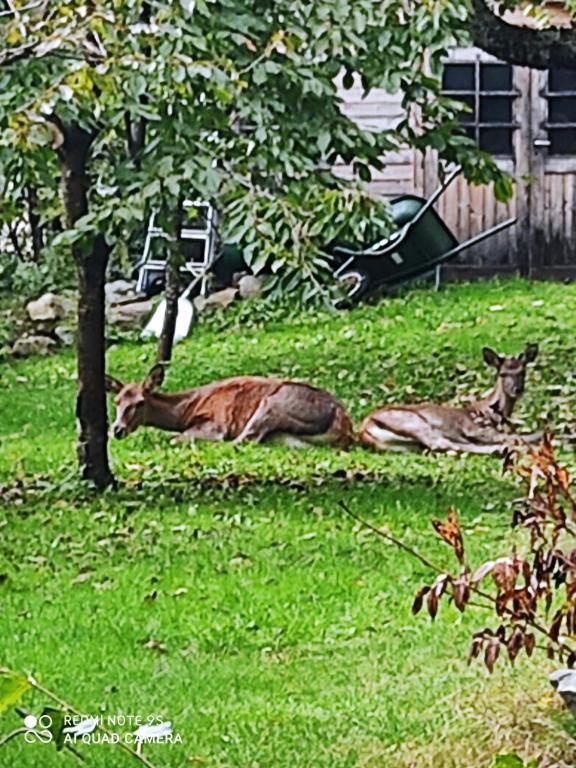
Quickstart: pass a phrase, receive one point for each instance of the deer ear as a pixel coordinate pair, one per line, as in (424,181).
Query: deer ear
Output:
(112,385)
(155,378)
(491,357)
(530,353)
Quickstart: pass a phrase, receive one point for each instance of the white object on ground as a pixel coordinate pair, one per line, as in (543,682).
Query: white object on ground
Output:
(183,319)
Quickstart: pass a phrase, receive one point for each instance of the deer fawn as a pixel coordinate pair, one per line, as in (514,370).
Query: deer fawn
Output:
(475,428)
(241,408)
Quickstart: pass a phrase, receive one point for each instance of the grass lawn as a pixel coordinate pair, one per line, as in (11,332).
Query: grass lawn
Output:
(222,587)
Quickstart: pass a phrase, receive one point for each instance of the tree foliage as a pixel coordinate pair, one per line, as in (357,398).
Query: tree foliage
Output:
(240,104)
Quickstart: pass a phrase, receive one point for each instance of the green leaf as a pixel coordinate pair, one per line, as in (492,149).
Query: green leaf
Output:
(12,687)
(359,22)
(363,172)
(503,189)
(348,80)
(508,761)
(151,190)
(259,75)
(324,141)
(258,263)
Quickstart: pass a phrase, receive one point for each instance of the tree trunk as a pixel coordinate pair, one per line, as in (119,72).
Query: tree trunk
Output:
(172,290)
(13,235)
(521,46)
(36,228)
(91,260)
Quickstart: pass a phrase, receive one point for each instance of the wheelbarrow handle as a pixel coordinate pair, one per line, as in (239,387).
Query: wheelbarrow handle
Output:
(479,238)
(392,242)
(435,195)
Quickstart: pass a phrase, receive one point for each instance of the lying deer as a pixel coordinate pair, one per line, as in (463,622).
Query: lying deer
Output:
(241,408)
(475,428)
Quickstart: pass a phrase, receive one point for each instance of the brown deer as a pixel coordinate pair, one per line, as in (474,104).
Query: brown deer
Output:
(239,409)
(474,428)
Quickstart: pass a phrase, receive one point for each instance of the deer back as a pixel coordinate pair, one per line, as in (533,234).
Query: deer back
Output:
(228,404)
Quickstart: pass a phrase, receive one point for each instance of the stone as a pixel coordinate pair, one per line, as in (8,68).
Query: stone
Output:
(69,301)
(199,303)
(217,300)
(29,345)
(131,315)
(250,286)
(119,291)
(64,335)
(237,276)
(49,307)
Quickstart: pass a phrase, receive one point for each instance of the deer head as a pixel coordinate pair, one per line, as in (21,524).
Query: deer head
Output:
(131,401)
(511,370)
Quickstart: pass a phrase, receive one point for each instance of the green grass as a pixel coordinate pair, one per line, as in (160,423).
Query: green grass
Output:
(282,633)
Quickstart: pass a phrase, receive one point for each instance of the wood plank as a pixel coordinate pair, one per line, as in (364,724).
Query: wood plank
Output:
(538,113)
(418,163)
(548,219)
(520,238)
(391,189)
(463,203)
(557,220)
(569,233)
(476,209)
(373,107)
(375,95)
(389,173)
(487,251)
(454,271)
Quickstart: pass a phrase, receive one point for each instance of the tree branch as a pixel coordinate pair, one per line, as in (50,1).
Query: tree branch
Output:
(521,46)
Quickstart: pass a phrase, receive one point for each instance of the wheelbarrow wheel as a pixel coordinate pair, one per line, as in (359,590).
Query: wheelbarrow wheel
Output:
(354,284)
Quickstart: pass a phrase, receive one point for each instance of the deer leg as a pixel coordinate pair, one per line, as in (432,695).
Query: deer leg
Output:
(475,433)
(259,425)
(402,430)
(492,440)
(207,431)
(531,438)
(266,421)
(381,439)
(486,449)
(288,412)
(437,442)
(489,440)
(501,442)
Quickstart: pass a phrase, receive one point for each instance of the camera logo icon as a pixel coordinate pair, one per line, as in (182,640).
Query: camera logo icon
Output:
(38,729)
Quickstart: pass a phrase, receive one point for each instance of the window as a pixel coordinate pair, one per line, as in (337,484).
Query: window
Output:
(561,123)
(487,90)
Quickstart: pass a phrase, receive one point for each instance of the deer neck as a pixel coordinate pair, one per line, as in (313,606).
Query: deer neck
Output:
(497,402)
(166,411)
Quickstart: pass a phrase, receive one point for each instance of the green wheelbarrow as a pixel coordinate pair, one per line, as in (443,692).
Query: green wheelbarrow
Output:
(420,245)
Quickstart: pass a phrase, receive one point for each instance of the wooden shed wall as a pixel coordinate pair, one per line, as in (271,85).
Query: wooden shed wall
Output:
(466,209)
(380,111)
(543,242)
